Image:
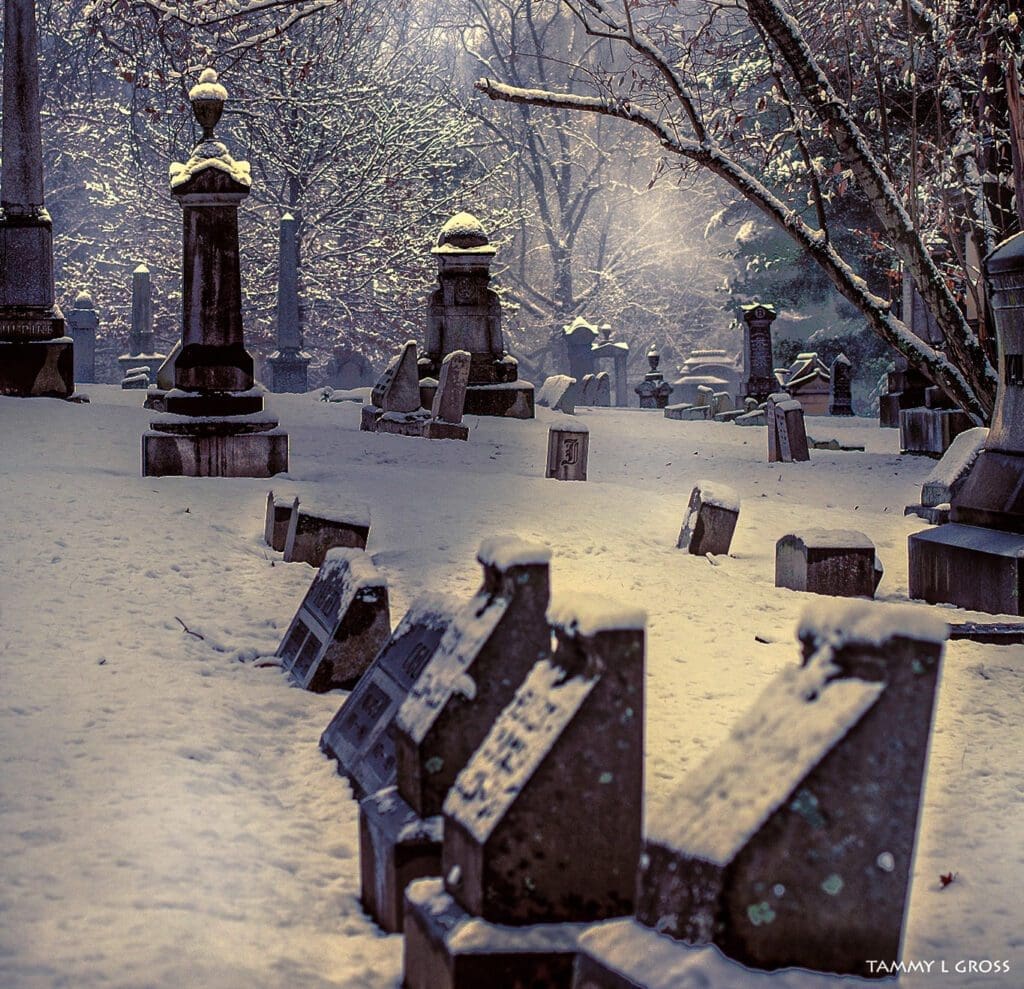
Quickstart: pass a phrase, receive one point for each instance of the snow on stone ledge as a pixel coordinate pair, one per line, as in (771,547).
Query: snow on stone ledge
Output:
(720,495)
(869,623)
(511,551)
(344,515)
(516,745)
(588,614)
(833,538)
(962,452)
(362,572)
(792,726)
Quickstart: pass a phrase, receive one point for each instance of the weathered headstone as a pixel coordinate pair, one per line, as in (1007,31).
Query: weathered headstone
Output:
(82,324)
(721,403)
(360,736)
(618,352)
(214,424)
(930,431)
(483,656)
(839,562)
(654,391)
(949,476)
(757,350)
(602,390)
(36,358)
(714,368)
(557,393)
(288,364)
(450,399)
(710,519)
(311,534)
(568,450)
(586,392)
(705,398)
(841,387)
(793,843)
(156,399)
(465,314)
(141,349)
(396,393)
(341,624)
(278,520)
(787,437)
(516,849)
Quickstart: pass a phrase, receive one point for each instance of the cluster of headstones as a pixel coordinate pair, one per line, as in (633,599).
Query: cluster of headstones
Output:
(496,746)
(563,393)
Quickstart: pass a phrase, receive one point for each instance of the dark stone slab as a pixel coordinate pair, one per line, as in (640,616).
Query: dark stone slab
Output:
(312,534)
(513,400)
(232,454)
(969,566)
(931,431)
(213,404)
(793,844)
(359,736)
(838,562)
(396,847)
(757,350)
(990,633)
(568,451)
(710,519)
(340,626)
(840,400)
(447,948)
(278,519)
(787,436)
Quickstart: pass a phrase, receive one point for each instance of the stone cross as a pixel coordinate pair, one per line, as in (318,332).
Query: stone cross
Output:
(757,350)
(36,358)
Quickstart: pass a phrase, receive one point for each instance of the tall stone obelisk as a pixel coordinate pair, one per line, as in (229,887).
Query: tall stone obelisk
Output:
(215,424)
(36,357)
(288,364)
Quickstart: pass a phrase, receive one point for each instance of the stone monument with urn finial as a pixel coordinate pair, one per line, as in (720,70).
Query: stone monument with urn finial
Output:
(36,358)
(215,425)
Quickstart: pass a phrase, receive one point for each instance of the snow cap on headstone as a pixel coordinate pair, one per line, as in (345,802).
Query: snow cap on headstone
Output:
(463,234)
(841,623)
(589,614)
(504,552)
(84,300)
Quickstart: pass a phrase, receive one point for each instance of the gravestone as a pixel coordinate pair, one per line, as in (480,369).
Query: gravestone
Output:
(793,843)
(839,562)
(141,349)
(82,324)
(519,859)
(450,399)
(931,431)
(618,352)
(568,450)
(686,413)
(289,364)
(710,519)
(36,358)
(807,380)
(349,369)
(340,626)
(312,534)
(215,425)
(654,391)
(557,394)
(714,368)
(787,437)
(580,337)
(484,655)
(396,393)
(721,404)
(278,520)
(463,313)
(949,476)
(840,401)
(157,397)
(586,392)
(602,390)
(757,350)
(360,735)
(136,378)
(705,398)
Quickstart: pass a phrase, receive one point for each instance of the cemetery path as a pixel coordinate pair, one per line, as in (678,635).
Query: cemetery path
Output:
(166,818)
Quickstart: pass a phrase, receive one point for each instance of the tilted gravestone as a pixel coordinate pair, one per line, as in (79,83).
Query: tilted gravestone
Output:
(449,399)
(787,437)
(517,851)
(568,451)
(397,390)
(312,534)
(557,393)
(839,562)
(949,476)
(793,843)
(359,736)
(483,656)
(340,626)
(280,511)
(710,519)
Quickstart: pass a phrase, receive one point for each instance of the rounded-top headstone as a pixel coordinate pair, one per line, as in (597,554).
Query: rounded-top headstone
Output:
(463,233)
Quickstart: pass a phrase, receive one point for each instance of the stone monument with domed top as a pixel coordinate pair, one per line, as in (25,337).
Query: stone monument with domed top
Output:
(463,313)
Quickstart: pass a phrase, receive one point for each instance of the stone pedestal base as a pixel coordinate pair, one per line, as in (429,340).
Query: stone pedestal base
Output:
(930,431)
(513,400)
(37,368)
(396,846)
(288,371)
(177,447)
(447,948)
(971,567)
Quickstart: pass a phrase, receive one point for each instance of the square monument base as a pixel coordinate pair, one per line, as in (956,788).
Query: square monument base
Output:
(513,400)
(37,368)
(215,454)
(971,567)
(396,846)
(447,948)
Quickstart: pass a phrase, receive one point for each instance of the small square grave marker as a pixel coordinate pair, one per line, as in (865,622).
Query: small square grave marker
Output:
(710,519)
(568,450)
(312,534)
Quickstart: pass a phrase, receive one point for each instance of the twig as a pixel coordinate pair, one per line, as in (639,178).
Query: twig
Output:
(188,631)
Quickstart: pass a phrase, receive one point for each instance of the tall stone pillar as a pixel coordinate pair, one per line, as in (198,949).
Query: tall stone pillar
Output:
(288,364)
(82,325)
(36,358)
(757,351)
(140,340)
(215,425)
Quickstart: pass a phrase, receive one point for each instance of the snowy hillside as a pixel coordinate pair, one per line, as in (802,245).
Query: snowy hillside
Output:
(166,817)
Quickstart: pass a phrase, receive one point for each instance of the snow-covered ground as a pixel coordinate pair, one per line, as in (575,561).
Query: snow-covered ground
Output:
(166,817)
